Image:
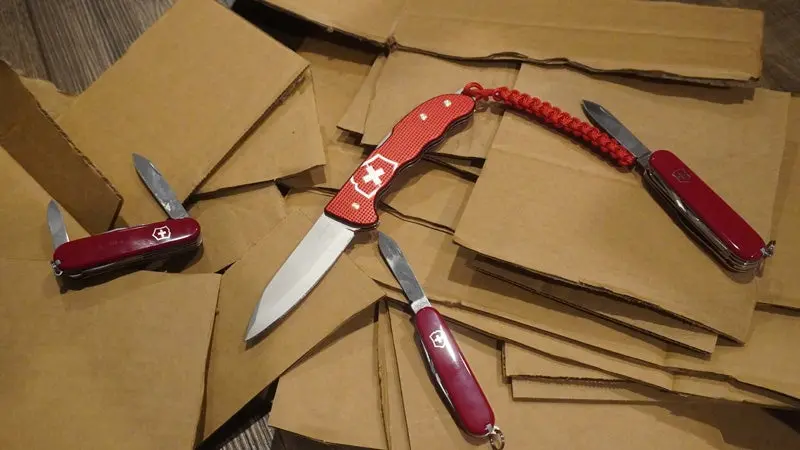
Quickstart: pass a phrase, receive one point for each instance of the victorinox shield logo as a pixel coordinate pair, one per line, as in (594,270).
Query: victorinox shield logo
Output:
(372,174)
(438,338)
(682,175)
(162,233)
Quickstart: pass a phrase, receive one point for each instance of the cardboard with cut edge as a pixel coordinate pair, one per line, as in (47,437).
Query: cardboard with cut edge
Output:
(355,117)
(230,75)
(30,136)
(394,415)
(115,359)
(654,39)
(307,404)
(702,425)
(557,209)
(236,373)
(408,79)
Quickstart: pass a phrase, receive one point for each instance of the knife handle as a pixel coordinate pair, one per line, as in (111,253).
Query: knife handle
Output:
(454,374)
(732,230)
(126,245)
(417,132)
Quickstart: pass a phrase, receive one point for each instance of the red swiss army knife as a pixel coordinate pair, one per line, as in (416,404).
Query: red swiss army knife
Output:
(450,370)
(124,247)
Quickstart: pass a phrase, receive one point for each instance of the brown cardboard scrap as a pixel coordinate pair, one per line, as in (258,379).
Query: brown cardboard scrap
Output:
(284,142)
(394,415)
(117,358)
(233,223)
(52,101)
(236,374)
(588,391)
(42,149)
(408,79)
(519,361)
(23,215)
(650,38)
(355,117)
(627,313)
(701,425)
(662,266)
(470,167)
(764,361)
(779,284)
(230,73)
(307,404)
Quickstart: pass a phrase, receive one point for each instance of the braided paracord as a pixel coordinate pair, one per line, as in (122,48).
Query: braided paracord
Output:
(555,118)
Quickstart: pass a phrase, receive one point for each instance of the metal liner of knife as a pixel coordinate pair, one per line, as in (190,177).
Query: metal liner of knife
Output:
(445,361)
(124,247)
(354,207)
(703,213)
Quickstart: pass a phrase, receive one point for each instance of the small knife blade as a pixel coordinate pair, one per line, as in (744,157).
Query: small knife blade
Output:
(608,123)
(354,207)
(450,369)
(159,187)
(55,221)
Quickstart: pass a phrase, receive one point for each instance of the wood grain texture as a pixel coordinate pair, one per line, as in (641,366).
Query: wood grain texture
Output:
(18,43)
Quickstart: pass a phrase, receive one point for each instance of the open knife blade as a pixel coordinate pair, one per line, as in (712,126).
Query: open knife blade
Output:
(55,222)
(159,187)
(354,207)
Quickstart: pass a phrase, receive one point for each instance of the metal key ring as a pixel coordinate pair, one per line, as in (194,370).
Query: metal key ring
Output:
(497,439)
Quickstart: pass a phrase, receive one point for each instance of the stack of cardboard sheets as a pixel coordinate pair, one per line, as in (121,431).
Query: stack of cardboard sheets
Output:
(589,318)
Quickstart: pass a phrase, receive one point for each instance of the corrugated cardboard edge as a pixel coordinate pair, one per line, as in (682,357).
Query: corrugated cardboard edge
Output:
(83,158)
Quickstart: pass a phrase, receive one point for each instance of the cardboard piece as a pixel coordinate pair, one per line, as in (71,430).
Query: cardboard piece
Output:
(308,405)
(284,142)
(233,223)
(52,101)
(634,315)
(394,415)
(237,374)
(722,43)
(408,79)
(662,267)
(117,358)
(519,361)
(230,74)
(780,285)
(42,149)
(702,425)
(588,391)
(23,215)
(355,117)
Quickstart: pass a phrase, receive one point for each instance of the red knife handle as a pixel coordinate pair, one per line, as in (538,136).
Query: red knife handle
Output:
(417,132)
(126,245)
(731,229)
(454,374)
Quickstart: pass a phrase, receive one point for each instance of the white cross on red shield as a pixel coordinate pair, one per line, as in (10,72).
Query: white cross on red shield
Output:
(372,174)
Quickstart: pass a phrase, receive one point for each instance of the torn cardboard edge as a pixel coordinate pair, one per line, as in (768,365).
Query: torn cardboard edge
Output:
(433,28)
(34,139)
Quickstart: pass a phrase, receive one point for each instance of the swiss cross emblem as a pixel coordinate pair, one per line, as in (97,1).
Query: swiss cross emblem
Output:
(161,233)
(682,175)
(372,174)
(438,338)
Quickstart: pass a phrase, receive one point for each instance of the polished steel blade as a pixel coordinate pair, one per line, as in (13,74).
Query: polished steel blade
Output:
(605,120)
(400,268)
(55,221)
(307,264)
(158,187)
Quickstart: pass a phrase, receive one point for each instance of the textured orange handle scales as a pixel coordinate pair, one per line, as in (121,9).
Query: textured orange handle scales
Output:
(417,132)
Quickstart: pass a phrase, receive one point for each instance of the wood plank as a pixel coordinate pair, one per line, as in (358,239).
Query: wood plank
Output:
(18,42)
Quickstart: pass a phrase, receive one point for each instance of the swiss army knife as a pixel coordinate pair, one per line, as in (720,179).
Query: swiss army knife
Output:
(124,247)
(703,213)
(353,208)
(445,361)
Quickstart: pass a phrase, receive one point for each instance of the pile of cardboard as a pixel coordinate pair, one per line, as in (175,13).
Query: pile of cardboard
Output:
(589,318)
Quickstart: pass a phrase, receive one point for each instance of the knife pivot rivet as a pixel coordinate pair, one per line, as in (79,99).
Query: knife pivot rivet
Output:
(355,206)
(447,103)
(423,116)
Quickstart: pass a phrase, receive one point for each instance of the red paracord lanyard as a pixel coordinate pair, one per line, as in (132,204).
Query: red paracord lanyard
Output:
(555,118)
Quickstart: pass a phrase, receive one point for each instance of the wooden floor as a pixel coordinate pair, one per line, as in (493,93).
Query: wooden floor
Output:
(71,42)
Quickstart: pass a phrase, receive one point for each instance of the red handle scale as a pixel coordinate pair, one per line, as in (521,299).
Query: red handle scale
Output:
(416,133)
(460,385)
(151,241)
(720,218)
